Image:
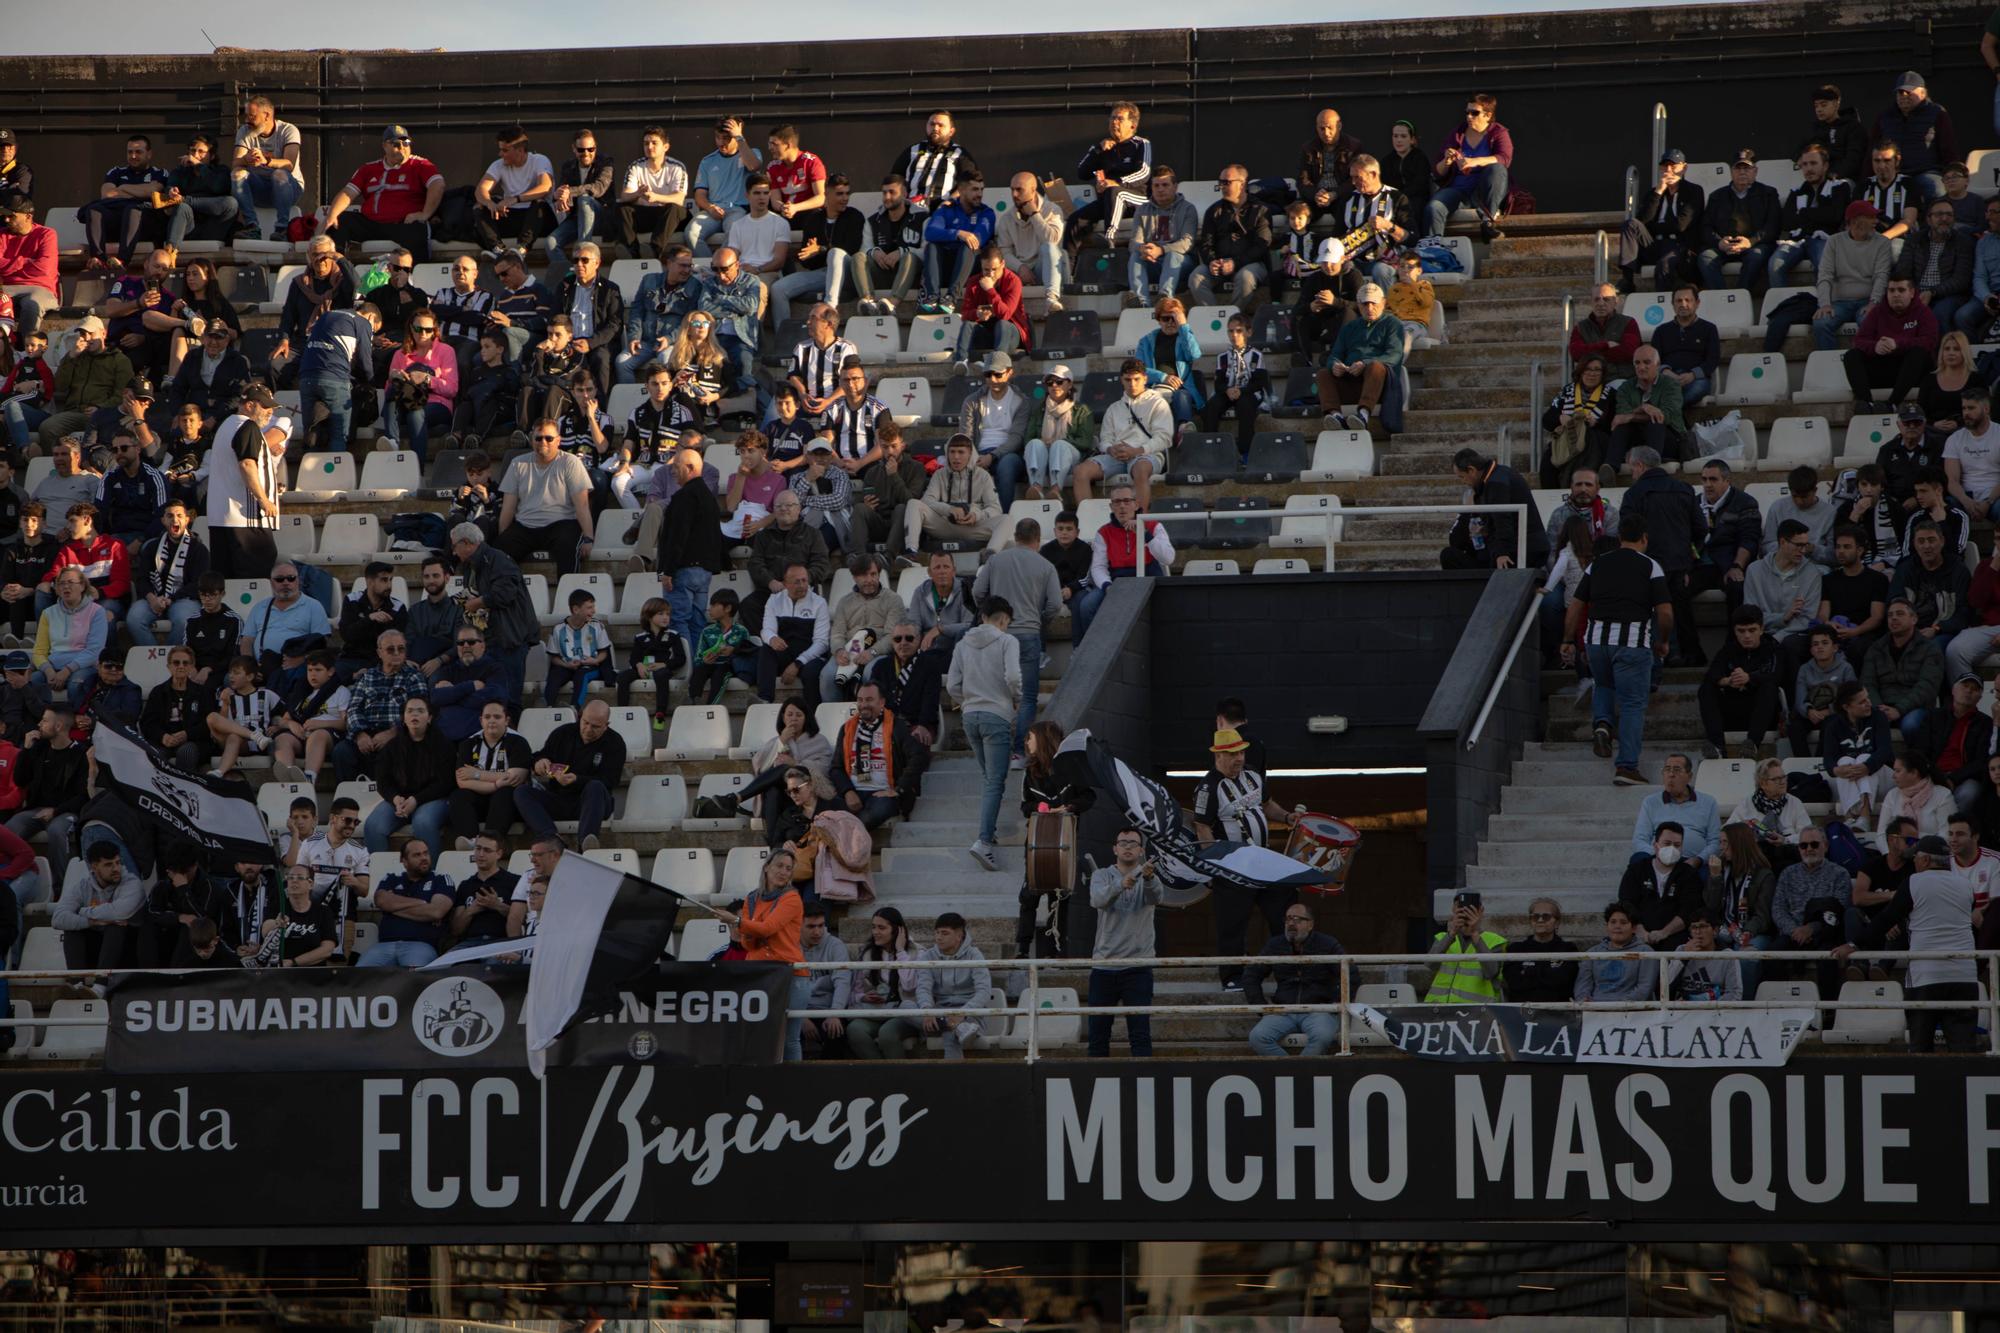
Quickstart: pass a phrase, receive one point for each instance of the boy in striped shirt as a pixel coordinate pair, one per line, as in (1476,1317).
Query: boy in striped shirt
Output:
(579,650)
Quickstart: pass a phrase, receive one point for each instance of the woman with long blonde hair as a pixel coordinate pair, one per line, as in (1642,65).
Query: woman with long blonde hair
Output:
(1939,393)
(699,369)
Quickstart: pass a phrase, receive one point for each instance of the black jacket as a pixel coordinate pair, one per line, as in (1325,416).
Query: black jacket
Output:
(1675,529)
(202,897)
(1935,734)
(492,574)
(1529,983)
(1736,525)
(1324,167)
(145,582)
(917,698)
(1955,259)
(217,398)
(1754,215)
(1682,898)
(1412,176)
(691,531)
(358,633)
(1066,783)
(1503,485)
(51,777)
(1899,466)
(1239,233)
(607,307)
(1294,983)
(1765,663)
(1805,210)
(1683,220)
(1845,141)
(425,769)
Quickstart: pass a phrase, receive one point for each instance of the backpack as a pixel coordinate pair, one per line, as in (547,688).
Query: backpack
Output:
(1843,848)
(1439,259)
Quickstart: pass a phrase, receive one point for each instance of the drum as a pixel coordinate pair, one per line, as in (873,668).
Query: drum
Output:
(1052,852)
(1326,843)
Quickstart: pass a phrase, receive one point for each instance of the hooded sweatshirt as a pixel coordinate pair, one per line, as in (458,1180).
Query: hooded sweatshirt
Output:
(985,672)
(1773,590)
(1618,978)
(956,987)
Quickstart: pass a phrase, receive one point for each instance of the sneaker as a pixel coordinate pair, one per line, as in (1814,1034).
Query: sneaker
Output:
(590,843)
(1131,301)
(1017,761)
(463,844)
(961,367)
(259,741)
(1361,415)
(1337,420)
(1710,750)
(489,255)
(518,439)
(910,560)
(636,565)
(983,854)
(1607,477)
(1600,739)
(280,235)
(1233,985)
(1628,777)
(1055,304)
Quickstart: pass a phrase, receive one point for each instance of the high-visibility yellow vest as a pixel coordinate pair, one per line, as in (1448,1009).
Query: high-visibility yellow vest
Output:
(1462,981)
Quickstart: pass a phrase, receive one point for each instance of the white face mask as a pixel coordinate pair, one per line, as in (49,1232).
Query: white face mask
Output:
(1668,854)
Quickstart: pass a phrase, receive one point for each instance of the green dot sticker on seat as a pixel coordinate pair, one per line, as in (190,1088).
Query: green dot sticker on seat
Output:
(327,468)
(1103,263)
(1215,325)
(1756,372)
(1875,437)
(937,333)
(246,597)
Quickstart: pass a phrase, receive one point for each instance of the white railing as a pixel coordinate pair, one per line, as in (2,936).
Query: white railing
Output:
(1987,960)
(1529,620)
(1330,516)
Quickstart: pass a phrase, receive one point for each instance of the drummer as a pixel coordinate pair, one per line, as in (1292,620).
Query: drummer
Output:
(1045,787)
(1230,805)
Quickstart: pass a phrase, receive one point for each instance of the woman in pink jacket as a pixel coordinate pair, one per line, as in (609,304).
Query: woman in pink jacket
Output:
(426,363)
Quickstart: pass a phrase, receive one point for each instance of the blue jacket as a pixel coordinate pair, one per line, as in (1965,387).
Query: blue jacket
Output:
(1698,817)
(734,305)
(1186,352)
(947,222)
(657,313)
(1986,267)
(456,700)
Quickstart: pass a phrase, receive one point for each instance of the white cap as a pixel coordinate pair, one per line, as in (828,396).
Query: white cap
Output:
(1331,251)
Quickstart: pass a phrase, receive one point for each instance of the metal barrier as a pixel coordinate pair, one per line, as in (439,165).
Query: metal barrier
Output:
(1529,620)
(1345,963)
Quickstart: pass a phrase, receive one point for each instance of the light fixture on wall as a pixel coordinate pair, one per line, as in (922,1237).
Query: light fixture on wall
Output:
(1327,725)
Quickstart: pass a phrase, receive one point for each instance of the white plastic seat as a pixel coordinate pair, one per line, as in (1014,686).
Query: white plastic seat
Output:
(743,870)
(1309,521)
(1277,565)
(723,458)
(697,731)
(1341,455)
(639,589)
(700,937)
(760,724)
(654,803)
(367,934)
(1867,1027)
(274,802)
(1755,377)
(910,580)
(1093,514)
(536,724)
(391,474)
(281,287)
(1210,568)
(1461,246)
(932,338)
(1728,781)
(1730,309)
(1865,437)
(455,866)
(538,595)
(908,397)
(25,1037)
(1210,324)
(689,870)
(326,472)
(624,398)
(1649,310)
(1380,995)
(1055,1030)
(635,726)
(298,536)
(719,784)
(599,585)
(38,471)
(239,595)
(381,865)
(627,274)
(350,537)
(1805,994)
(879,338)
(1796,440)
(1774,298)
(1132,326)
(832,717)
(622,859)
(43,951)
(432,278)
(841,584)
(362,792)
(147,667)
(74,1041)
(1825,380)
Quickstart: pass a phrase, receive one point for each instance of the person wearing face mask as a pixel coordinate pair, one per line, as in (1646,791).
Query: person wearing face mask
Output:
(1663,891)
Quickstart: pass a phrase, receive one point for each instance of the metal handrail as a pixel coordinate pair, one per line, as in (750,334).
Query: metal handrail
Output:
(1503,446)
(1529,620)
(1631,191)
(1659,130)
(1600,266)
(1535,415)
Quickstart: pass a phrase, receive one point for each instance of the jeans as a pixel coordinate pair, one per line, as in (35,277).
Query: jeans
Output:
(579,224)
(801,998)
(1911,724)
(412,430)
(1756,263)
(687,604)
(806,282)
(1322,1031)
(1239,286)
(936,255)
(701,226)
(999,335)
(1826,332)
(22,422)
(181,218)
(1112,988)
(141,619)
(1968,648)
(1050,464)
(1622,679)
(1694,390)
(1050,268)
(1788,254)
(1487,191)
(540,807)
(899,276)
(1008,470)
(1164,271)
(28,302)
(399,953)
(426,824)
(338,394)
(278,189)
(990,734)
(1031,684)
(25,825)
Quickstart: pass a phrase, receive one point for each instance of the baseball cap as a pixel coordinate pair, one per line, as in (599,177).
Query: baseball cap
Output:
(394,132)
(1860,208)
(819,444)
(1972,676)
(257,395)
(1058,371)
(1331,251)
(1744,155)
(16,203)
(1675,156)
(90,324)
(1932,845)
(1911,79)
(18,662)
(7,136)
(998,361)
(139,386)
(1910,412)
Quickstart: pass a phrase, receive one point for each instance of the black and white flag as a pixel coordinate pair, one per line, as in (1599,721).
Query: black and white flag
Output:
(200,808)
(1177,854)
(599,929)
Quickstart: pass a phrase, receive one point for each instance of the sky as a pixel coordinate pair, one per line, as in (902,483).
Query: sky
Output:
(128,27)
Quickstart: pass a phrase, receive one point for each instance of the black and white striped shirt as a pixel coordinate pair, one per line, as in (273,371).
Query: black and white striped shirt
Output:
(854,427)
(1890,200)
(932,171)
(1358,210)
(1235,370)
(1233,807)
(1622,588)
(818,368)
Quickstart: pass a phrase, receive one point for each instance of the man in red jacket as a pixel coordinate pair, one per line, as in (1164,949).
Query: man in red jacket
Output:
(1605,331)
(1895,346)
(995,320)
(27,262)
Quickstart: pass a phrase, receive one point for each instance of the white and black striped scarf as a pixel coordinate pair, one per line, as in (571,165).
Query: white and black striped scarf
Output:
(168,573)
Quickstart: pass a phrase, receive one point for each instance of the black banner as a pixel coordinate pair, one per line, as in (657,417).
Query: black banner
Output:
(1883,1148)
(372,1018)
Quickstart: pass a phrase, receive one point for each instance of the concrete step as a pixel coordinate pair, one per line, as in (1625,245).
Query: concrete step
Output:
(1590,881)
(1591,856)
(1514,245)
(1569,800)
(1574,267)
(1481,420)
(950,860)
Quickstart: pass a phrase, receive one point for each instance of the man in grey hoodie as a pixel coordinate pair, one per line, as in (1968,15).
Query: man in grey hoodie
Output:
(1784,585)
(1163,232)
(1028,582)
(1803,502)
(985,682)
(1618,978)
(100,902)
(957,987)
(1124,894)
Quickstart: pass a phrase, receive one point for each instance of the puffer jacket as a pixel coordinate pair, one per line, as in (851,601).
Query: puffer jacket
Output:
(86,381)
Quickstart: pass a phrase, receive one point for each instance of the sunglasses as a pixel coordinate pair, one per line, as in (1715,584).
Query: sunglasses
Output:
(549,439)
(284,578)
(423,328)
(902,638)
(393,648)
(699,324)
(1541,916)
(470,643)
(1803,844)
(995,375)
(401,268)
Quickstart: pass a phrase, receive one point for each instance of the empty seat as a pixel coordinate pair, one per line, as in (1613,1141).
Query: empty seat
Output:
(1866,434)
(701,937)
(1299,397)
(1099,390)
(1649,309)
(1380,995)
(743,870)
(1804,994)
(248,285)
(1203,457)
(932,338)
(146,667)
(1211,325)
(1308,521)
(698,731)
(879,338)
(832,717)
(1051,1030)
(536,724)
(1341,455)
(298,536)
(689,870)
(1729,309)
(908,398)
(1271,328)
(350,537)
(326,472)
(1209,568)
(82,1038)
(1826,380)
(239,595)
(622,859)
(1230,533)
(1185,517)
(391,473)
(1755,377)
(627,274)
(778,350)
(839,586)
(1098,270)
(1277,455)
(1132,326)
(952,402)
(639,589)
(1867,1027)
(1796,440)
(1068,333)
(635,726)
(1728,781)
(654,803)
(760,721)
(1284,565)
(42,951)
